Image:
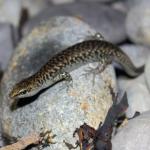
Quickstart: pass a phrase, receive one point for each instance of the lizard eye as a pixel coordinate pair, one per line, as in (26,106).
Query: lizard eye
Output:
(23,92)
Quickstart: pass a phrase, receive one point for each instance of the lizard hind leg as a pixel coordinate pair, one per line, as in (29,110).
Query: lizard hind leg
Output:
(95,71)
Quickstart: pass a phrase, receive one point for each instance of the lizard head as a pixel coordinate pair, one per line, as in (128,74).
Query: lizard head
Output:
(22,89)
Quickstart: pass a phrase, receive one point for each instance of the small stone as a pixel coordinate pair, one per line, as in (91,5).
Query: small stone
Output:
(138,24)
(10,11)
(59,108)
(104,19)
(6,44)
(135,135)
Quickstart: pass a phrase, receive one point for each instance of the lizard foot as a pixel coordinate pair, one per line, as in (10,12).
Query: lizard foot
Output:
(65,76)
(94,71)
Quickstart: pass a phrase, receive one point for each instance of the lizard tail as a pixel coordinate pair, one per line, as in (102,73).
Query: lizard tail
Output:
(125,62)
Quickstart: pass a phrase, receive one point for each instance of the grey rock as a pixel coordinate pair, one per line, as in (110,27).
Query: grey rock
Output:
(132,3)
(56,2)
(58,108)
(1,141)
(138,23)
(121,6)
(6,43)
(1,138)
(104,19)
(1,73)
(106,1)
(147,73)
(138,53)
(34,6)
(137,93)
(10,11)
(135,135)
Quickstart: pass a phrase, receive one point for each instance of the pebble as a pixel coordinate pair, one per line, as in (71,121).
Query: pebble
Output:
(58,108)
(138,23)
(106,20)
(10,11)
(135,135)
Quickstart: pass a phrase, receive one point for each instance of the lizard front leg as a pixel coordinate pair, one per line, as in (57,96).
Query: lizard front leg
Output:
(64,76)
(96,36)
(102,64)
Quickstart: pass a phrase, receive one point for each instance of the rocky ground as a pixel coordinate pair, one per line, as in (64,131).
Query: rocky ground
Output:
(32,31)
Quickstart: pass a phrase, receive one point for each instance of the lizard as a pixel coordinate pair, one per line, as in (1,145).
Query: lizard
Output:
(59,66)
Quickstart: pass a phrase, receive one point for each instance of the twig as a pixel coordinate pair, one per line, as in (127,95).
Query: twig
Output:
(43,139)
(33,138)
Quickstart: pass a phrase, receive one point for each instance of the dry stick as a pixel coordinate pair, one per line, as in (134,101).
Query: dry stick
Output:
(33,138)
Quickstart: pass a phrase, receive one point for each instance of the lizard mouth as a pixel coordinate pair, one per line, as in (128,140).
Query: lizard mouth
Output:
(12,95)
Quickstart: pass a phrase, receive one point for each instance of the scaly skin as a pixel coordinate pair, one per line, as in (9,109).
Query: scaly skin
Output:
(57,68)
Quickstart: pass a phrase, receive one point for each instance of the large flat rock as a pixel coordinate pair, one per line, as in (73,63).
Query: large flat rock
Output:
(58,108)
